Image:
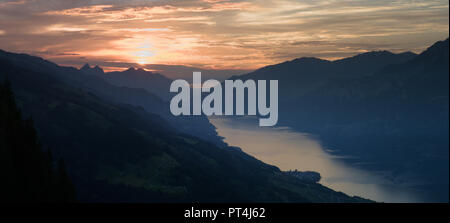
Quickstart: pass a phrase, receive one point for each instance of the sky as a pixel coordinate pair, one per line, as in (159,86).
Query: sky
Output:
(216,34)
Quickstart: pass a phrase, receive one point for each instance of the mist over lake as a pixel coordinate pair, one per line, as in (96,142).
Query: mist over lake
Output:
(290,150)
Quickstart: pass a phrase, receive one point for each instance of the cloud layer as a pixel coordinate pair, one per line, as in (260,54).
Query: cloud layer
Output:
(215,33)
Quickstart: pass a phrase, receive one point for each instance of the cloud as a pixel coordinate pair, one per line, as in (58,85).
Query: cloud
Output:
(217,34)
(7,3)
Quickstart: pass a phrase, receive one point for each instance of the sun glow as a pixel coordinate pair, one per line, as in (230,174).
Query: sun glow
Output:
(216,33)
(142,61)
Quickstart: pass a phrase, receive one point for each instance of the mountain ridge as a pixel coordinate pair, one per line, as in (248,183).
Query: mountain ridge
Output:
(394,118)
(118,94)
(120,153)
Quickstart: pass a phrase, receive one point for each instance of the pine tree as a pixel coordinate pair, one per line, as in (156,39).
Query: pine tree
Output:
(26,170)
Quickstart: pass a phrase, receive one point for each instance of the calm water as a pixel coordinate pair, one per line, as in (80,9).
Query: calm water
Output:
(291,150)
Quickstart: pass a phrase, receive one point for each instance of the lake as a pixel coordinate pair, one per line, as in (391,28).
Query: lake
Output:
(290,150)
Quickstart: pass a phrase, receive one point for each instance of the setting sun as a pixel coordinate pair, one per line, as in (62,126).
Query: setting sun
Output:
(210,103)
(216,34)
(142,62)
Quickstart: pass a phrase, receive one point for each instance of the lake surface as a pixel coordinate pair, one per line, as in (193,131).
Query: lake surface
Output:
(290,150)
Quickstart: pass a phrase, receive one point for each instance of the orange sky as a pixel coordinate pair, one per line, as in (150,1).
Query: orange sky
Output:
(214,33)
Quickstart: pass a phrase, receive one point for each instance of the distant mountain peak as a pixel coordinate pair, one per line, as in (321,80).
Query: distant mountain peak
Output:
(98,69)
(380,54)
(375,53)
(376,59)
(86,66)
(92,70)
(139,71)
(438,46)
(437,51)
(308,60)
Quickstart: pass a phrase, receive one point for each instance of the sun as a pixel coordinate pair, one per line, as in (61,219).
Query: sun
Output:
(142,62)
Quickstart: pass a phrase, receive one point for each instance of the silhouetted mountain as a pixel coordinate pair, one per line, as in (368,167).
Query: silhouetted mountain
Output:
(185,72)
(314,69)
(389,111)
(299,76)
(94,70)
(198,126)
(134,78)
(119,152)
(139,78)
(367,63)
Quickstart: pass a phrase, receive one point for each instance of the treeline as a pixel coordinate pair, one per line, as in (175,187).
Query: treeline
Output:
(27,172)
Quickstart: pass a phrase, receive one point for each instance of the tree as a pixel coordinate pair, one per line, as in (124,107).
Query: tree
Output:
(26,170)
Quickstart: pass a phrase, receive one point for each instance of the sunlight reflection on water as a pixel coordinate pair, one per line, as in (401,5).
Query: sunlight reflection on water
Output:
(289,150)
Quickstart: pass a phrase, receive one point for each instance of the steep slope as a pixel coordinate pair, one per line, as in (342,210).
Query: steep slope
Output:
(120,153)
(300,76)
(394,119)
(366,63)
(198,126)
(134,78)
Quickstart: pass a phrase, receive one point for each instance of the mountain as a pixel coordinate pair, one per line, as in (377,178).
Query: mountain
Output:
(416,90)
(367,63)
(92,70)
(134,78)
(117,152)
(299,76)
(198,126)
(185,72)
(388,110)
